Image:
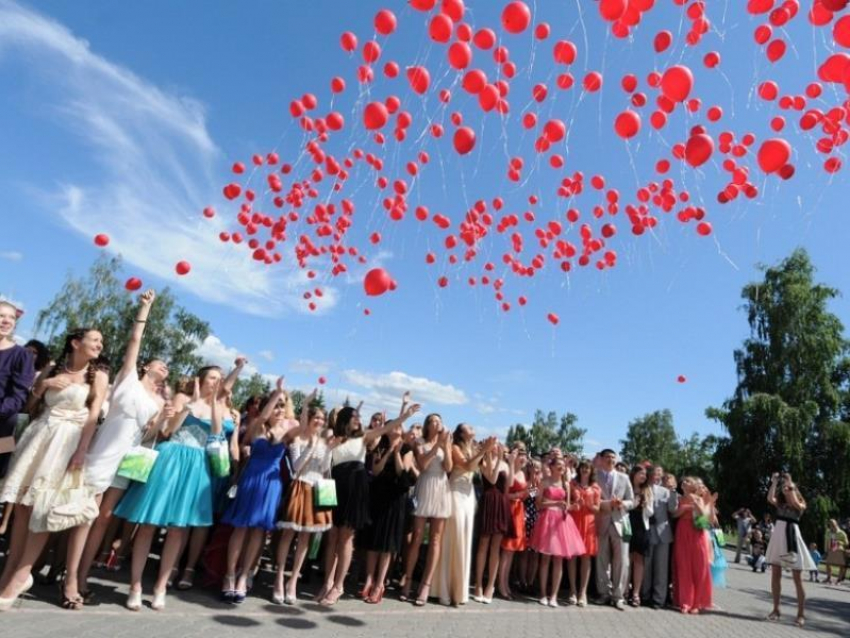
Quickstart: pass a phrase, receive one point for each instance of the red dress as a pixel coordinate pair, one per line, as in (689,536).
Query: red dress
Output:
(692,565)
(518,542)
(585,518)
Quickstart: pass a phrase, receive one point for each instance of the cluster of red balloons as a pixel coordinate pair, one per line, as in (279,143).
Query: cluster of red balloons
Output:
(304,204)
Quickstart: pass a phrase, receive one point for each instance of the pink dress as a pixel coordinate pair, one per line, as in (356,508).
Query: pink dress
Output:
(555,533)
(692,565)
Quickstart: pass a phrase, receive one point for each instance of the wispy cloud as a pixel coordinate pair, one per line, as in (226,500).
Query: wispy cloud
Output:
(309,366)
(11,255)
(156,160)
(394,384)
(268,355)
(215,352)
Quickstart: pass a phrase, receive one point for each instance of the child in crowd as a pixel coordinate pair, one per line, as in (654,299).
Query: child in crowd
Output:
(816,557)
(758,547)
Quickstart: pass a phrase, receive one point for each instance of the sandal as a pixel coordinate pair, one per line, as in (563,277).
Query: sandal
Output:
(89,598)
(188,579)
(72,604)
(332,597)
(376,595)
(365,592)
(422,598)
(404,596)
(801,621)
(773,616)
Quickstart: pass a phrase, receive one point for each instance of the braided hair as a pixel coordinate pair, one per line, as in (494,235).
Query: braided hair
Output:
(77,334)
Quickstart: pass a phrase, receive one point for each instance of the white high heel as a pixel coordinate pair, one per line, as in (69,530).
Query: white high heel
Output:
(7,603)
(158,602)
(134,600)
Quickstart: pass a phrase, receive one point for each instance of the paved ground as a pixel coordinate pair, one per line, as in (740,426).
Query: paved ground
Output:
(197,613)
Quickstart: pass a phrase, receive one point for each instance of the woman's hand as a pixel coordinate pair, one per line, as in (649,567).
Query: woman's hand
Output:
(147,297)
(78,461)
(57,383)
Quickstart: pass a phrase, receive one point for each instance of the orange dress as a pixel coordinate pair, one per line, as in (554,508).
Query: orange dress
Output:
(519,542)
(584,518)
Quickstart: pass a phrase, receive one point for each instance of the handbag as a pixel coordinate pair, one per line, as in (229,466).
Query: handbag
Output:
(627,529)
(137,463)
(720,537)
(70,505)
(219,456)
(324,493)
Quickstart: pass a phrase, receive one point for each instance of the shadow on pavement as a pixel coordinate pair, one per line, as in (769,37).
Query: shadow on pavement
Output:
(296,623)
(347,621)
(236,621)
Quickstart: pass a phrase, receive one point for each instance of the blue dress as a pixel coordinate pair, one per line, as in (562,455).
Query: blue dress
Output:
(260,488)
(221,484)
(178,492)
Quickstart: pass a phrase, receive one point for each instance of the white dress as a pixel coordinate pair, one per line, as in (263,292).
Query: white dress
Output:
(433,499)
(131,407)
(451,578)
(41,459)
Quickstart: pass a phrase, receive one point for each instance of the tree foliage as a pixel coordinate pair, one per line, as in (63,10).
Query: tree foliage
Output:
(788,409)
(548,431)
(651,437)
(98,300)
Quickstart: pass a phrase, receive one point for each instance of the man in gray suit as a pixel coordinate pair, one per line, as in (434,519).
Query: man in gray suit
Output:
(656,565)
(612,560)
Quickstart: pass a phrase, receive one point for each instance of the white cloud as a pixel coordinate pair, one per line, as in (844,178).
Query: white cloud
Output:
(156,157)
(214,352)
(394,384)
(309,366)
(268,355)
(11,255)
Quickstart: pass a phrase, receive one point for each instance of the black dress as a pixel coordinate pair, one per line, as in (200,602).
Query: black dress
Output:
(639,543)
(494,509)
(387,507)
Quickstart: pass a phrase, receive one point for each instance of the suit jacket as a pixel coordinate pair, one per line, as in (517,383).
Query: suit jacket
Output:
(665,503)
(622,489)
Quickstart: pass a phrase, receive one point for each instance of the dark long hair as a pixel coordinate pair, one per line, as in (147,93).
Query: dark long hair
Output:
(426,429)
(42,354)
(342,425)
(77,334)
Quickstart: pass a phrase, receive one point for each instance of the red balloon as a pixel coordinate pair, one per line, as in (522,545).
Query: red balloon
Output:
(322,381)
(474,81)
(133,284)
(704,229)
(541,31)
(375,116)
(419,78)
(553,318)
(209,213)
(441,28)
(464,140)
(335,121)
(101,240)
(592,81)
(662,41)
(774,154)
(627,124)
(677,82)
(484,39)
(183,268)
(488,98)
(554,130)
(454,9)
(841,31)
(681,378)
(337,85)
(698,150)
(516,17)
(348,41)
(423,5)
(232,191)
(612,9)
(238,168)
(385,22)
(775,50)
(460,55)
(564,52)
(377,282)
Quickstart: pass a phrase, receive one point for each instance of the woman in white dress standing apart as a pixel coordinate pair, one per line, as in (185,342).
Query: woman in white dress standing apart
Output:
(55,443)
(137,411)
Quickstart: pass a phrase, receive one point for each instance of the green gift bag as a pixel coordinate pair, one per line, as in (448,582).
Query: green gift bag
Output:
(720,536)
(138,463)
(324,492)
(627,529)
(219,456)
(315,546)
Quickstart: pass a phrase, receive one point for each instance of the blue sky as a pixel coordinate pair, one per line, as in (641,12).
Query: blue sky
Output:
(124,118)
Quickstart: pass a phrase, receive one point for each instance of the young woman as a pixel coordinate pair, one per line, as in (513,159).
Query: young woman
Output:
(136,408)
(393,474)
(451,579)
(639,520)
(517,493)
(16,379)
(178,492)
(54,445)
(692,589)
(197,538)
(585,495)
(528,560)
(494,520)
(252,513)
(787,549)
(310,459)
(352,489)
(835,545)
(555,536)
(433,504)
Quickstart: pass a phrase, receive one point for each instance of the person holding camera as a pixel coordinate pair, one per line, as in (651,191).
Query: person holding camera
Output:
(786,548)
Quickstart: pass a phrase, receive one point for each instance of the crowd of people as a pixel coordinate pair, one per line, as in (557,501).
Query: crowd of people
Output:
(98,467)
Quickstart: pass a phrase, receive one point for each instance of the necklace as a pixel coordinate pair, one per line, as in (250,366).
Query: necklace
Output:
(69,371)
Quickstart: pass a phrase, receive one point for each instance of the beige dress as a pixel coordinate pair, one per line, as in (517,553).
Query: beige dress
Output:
(46,447)
(451,579)
(432,488)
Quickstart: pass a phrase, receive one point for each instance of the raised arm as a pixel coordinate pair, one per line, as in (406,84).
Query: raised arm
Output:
(255,426)
(409,411)
(215,411)
(182,409)
(230,379)
(134,345)
(303,429)
(771,492)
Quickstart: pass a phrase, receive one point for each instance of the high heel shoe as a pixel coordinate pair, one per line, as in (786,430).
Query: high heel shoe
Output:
(422,598)
(332,597)
(228,588)
(365,592)
(188,579)
(376,595)
(6,603)
(801,621)
(134,600)
(158,602)
(404,596)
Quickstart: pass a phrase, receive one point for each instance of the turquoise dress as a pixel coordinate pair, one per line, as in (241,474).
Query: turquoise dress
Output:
(178,492)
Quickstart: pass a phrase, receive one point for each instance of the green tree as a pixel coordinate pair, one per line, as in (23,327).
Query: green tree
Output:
(696,457)
(244,389)
(792,396)
(548,431)
(298,399)
(99,300)
(652,437)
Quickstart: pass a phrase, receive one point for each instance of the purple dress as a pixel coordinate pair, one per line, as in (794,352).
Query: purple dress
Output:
(16,379)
